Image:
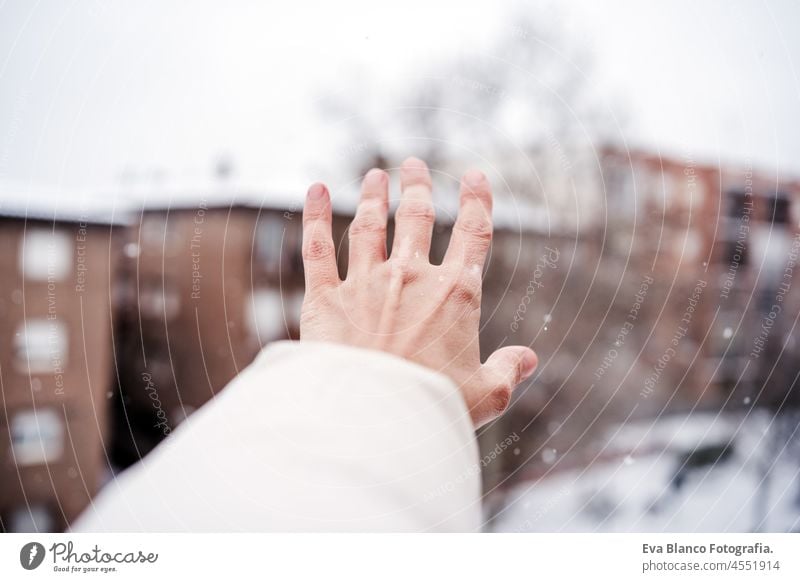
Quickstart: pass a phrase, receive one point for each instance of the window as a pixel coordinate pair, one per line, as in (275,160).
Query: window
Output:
(269,241)
(41,346)
(769,248)
(37,436)
(264,315)
(45,254)
(738,204)
(159,300)
(778,209)
(34,519)
(293,249)
(621,192)
(657,186)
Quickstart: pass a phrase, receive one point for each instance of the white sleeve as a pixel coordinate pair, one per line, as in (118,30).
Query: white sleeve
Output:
(310,437)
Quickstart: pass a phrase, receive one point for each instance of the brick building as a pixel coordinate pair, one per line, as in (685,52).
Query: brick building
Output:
(679,298)
(56,360)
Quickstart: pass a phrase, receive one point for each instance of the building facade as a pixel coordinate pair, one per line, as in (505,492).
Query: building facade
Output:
(56,366)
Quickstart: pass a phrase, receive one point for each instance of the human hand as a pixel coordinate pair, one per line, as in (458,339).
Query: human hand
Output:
(404,305)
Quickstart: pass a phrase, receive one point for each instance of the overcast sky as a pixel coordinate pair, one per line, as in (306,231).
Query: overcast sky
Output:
(91,90)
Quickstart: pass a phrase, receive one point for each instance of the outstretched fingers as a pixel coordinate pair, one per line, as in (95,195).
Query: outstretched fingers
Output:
(368,230)
(415,214)
(319,258)
(472,232)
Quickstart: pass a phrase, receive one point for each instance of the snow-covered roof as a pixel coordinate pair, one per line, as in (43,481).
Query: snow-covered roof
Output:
(55,204)
(222,194)
(52,203)
(118,206)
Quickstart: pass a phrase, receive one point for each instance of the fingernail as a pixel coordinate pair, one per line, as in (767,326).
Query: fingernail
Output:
(413,162)
(376,174)
(317,191)
(528,364)
(474,178)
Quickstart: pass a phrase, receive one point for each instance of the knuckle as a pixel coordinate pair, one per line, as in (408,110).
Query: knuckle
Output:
(410,275)
(465,293)
(500,398)
(417,179)
(315,249)
(405,270)
(367,224)
(476,228)
(418,210)
(311,215)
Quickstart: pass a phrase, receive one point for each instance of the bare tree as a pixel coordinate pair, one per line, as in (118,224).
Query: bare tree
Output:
(527,98)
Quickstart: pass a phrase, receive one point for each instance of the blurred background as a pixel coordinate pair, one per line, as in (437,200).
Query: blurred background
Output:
(153,162)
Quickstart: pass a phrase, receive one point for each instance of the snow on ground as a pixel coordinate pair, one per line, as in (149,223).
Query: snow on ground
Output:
(675,474)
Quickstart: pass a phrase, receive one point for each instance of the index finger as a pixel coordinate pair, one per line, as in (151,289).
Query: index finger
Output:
(319,258)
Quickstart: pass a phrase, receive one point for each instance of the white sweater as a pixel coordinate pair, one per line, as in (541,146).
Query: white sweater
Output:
(310,437)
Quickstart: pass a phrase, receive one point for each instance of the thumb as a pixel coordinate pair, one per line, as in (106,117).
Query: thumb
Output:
(514,364)
(504,369)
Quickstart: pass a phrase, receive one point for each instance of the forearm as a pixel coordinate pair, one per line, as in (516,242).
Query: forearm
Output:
(311,437)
